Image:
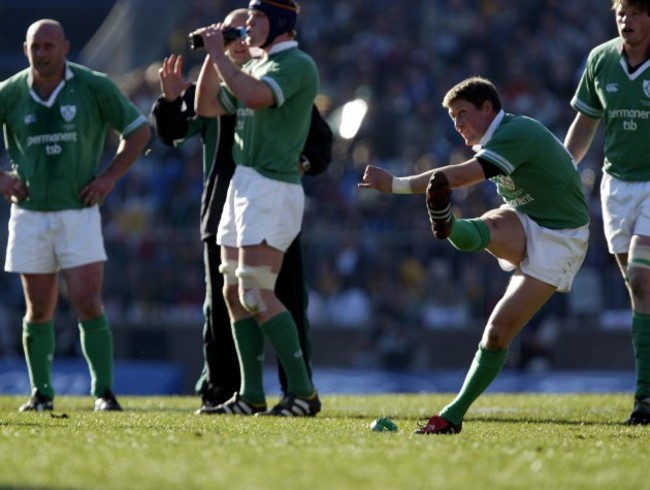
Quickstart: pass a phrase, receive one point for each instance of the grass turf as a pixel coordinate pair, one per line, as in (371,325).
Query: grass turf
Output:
(508,442)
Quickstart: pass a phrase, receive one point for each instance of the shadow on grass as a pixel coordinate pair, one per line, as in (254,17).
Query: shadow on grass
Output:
(545,421)
(491,420)
(189,411)
(6,423)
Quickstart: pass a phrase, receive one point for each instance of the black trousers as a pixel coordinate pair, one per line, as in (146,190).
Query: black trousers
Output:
(221,365)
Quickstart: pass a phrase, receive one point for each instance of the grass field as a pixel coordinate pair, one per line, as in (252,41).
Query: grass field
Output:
(508,442)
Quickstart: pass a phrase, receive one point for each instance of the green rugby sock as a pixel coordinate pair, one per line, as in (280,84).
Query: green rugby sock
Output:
(469,235)
(283,335)
(97,347)
(38,344)
(484,369)
(641,343)
(249,341)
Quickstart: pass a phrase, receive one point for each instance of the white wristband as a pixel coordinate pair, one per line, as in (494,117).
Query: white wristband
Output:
(401,185)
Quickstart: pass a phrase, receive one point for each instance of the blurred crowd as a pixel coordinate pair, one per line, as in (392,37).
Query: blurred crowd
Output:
(371,260)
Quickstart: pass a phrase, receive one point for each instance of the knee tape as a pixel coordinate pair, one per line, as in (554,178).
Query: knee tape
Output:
(229,270)
(251,281)
(640,257)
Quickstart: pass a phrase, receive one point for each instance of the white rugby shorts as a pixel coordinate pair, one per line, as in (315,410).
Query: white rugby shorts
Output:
(259,209)
(44,242)
(626,211)
(552,256)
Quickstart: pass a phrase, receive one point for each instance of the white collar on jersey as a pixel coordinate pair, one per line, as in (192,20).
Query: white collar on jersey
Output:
(49,102)
(490,131)
(281,46)
(261,56)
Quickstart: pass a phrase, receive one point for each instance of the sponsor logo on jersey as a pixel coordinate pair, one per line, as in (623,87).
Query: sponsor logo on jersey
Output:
(54,149)
(30,119)
(611,87)
(48,139)
(68,112)
(630,125)
(629,114)
(242,114)
(630,117)
(520,201)
(646,88)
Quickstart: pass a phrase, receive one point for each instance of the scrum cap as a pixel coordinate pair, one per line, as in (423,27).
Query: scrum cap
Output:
(281,14)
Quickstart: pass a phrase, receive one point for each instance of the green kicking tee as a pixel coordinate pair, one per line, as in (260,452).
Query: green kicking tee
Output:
(540,176)
(270,140)
(608,91)
(56,146)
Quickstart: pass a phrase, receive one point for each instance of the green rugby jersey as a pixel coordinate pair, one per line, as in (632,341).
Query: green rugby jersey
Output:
(275,136)
(622,100)
(57,145)
(541,179)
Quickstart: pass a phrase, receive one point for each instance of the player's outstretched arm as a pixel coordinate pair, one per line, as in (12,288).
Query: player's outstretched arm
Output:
(383,181)
(376,178)
(459,175)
